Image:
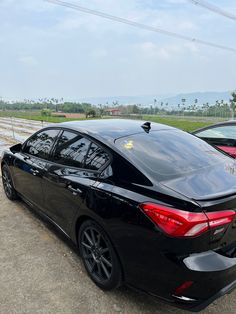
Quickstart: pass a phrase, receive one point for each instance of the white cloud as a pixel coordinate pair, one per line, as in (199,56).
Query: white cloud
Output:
(28,61)
(99,53)
(29,5)
(167,51)
(151,50)
(178,21)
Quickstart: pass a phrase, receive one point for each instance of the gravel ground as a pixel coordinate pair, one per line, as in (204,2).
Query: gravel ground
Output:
(14,130)
(41,272)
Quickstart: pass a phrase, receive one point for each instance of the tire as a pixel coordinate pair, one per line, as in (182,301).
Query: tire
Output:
(8,184)
(99,257)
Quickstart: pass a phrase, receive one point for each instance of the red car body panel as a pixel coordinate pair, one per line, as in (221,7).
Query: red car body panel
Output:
(229,150)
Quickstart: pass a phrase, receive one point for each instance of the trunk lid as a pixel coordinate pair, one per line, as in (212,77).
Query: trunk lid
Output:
(214,190)
(211,183)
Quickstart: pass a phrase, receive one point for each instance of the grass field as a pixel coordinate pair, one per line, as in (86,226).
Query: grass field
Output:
(33,115)
(185,123)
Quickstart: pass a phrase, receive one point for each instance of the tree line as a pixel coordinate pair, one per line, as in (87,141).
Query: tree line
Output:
(47,106)
(53,105)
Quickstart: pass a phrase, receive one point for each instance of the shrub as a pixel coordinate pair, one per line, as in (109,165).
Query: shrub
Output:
(46,112)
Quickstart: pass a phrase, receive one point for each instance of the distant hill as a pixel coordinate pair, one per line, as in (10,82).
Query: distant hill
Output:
(202,97)
(173,100)
(125,100)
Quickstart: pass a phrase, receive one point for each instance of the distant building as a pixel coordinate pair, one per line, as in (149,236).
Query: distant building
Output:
(113,112)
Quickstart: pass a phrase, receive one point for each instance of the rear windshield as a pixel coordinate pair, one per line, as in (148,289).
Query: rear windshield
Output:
(167,154)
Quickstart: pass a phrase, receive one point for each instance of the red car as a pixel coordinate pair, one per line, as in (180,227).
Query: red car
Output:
(222,135)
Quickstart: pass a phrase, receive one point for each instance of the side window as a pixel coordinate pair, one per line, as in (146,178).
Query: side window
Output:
(220,132)
(41,143)
(71,149)
(96,158)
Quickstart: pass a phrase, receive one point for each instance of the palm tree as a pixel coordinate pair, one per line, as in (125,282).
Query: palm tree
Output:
(183,101)
(155,105)
(216,106)
(222,109)
(233,104)
(207,107)
(178,108)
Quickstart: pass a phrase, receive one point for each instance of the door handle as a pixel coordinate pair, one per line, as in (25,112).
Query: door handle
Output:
(34,172)
(26,158)
(74,191)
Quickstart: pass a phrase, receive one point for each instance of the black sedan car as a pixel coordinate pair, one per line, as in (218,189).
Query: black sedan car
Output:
(222,135)
(148,205)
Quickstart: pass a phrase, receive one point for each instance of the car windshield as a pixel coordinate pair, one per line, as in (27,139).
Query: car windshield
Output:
(168,154)
(219,132)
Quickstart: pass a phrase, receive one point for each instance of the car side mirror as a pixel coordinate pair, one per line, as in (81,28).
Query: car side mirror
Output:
(16,148)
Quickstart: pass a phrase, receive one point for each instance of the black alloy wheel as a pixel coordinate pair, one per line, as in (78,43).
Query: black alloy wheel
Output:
(7,184)
(98,256)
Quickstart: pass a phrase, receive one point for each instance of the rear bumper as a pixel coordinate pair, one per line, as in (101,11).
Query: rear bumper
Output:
(194,305)
(226,290)
(209,262)
(214,275)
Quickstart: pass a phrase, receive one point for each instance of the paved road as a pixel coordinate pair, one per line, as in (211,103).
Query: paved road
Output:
(41,272)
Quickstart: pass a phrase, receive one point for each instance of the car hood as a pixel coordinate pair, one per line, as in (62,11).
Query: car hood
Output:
(209,183)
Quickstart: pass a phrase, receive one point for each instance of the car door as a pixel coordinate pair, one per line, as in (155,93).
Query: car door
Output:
(31,163)
(71,174)
(222,136)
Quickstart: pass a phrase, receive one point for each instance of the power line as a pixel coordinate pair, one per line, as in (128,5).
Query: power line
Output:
(139,25)
(213,8)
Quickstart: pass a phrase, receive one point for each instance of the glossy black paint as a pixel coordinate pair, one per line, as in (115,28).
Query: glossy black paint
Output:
(151,261)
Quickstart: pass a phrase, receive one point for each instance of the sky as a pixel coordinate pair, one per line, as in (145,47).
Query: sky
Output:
(52,51)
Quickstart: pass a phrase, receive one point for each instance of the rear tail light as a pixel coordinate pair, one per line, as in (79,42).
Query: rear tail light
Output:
(179,223)
(217,219)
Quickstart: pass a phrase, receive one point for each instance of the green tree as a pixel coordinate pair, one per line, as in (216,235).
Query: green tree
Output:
(135,109)
(91,114)
(46,112)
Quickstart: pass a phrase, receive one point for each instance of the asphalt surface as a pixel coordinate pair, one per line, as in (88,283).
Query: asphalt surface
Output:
(41,272)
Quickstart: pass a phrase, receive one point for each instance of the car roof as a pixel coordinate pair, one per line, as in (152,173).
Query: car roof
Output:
(111,129)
